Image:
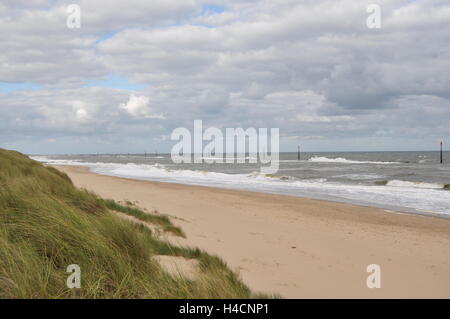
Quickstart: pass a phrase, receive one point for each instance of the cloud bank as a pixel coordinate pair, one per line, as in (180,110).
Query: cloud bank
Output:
(311,68)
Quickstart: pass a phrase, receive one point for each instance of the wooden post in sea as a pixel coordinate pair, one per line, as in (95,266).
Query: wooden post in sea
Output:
(441,152)
(298,154)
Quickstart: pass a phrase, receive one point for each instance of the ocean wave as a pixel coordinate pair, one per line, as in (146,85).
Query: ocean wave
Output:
(399,183)
(161,172)
(47,160)
(234,158)
(425,197)
(270,176)
(322,159)
(359,176)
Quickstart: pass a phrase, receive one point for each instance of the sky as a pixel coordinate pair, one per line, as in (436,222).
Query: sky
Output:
(135,70)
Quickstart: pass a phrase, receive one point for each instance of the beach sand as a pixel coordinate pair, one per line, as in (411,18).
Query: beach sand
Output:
(296,247)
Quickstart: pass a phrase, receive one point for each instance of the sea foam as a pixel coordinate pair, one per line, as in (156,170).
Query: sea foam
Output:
(321,159)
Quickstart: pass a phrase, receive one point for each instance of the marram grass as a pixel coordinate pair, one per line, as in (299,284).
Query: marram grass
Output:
(47,224)
(155,218)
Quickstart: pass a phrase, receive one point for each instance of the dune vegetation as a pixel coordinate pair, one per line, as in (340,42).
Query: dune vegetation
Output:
(47,224)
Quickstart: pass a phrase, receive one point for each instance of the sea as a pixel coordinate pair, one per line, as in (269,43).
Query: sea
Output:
(413,182)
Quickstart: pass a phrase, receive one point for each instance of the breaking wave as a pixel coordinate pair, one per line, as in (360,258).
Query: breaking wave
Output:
(321,159)
(398,183)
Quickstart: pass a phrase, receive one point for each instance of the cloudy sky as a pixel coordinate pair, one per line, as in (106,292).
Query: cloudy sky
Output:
(137,69)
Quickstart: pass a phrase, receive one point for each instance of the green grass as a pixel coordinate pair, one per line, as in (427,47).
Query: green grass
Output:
(154,218)
(47,224)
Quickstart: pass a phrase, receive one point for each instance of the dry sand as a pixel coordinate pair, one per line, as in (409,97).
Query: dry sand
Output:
(296,247)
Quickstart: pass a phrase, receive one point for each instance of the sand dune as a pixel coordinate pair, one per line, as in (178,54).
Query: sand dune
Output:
(298,248)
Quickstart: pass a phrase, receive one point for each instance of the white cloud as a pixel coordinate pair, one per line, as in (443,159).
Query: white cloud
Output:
(81,112)
(139,106)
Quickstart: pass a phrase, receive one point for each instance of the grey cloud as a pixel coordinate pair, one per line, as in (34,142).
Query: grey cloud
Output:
(311,68)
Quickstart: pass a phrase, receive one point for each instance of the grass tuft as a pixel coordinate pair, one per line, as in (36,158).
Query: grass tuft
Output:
(154,218)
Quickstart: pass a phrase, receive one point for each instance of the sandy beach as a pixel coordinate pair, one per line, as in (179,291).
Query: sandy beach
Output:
(296,247)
